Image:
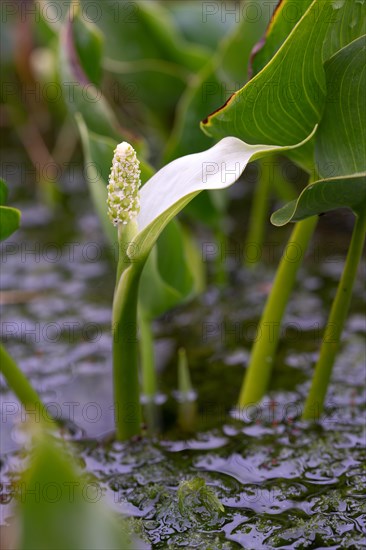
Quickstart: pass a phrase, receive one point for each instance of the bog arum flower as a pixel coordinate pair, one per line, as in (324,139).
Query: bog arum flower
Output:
(124,183)
(140,218)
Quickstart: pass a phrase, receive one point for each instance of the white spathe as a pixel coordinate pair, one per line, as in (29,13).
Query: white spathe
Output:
(216,168)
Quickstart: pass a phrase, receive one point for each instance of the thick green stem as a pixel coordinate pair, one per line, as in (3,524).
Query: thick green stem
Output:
(125,355)
(149,383)
(333,332)
(128,414)
(259,370)
(20,385)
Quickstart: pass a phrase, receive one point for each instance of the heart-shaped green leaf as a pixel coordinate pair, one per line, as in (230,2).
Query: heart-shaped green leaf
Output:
(323,196)
(340,140)
(341,137)
(285,17)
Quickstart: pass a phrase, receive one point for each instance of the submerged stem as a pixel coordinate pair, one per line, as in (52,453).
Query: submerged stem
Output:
(259,370)
(333,332)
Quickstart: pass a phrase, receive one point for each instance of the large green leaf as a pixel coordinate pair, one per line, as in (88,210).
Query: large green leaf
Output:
(60,509)
(340,140)
(98,150)
(347,22)
(341,136)
(286,98)
(285,17)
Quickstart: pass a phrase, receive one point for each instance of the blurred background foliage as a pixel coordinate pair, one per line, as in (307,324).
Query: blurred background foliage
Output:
(161,67)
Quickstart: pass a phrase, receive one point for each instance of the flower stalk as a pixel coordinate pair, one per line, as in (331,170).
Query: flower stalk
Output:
(123,206)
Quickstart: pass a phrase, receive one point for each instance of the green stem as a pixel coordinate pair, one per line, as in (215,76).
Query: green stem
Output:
(125,355)
(149,383)
(333,332)
(259,370)
(259,210)
(20,385)
(126,386)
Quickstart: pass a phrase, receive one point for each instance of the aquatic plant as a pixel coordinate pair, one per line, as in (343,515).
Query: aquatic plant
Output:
(320,28)
(160,199)
(281,103)
(346,77)
(293,94)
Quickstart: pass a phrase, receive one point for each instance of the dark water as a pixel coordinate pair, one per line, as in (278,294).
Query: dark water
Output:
(282,483)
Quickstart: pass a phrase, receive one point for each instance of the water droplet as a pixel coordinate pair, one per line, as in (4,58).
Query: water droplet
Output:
(338,4)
